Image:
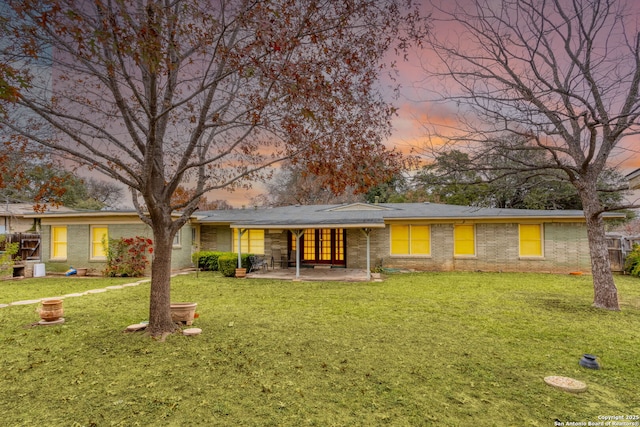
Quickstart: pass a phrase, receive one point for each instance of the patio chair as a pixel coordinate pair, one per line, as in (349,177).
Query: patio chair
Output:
(257,263)
(292,258)
(278,259)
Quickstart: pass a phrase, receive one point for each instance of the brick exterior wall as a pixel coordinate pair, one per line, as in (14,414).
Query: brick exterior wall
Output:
(566,249)
(79,243)
(219,238)
(208,238)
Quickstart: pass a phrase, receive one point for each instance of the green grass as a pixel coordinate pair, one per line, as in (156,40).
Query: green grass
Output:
(45,287)
(447,349)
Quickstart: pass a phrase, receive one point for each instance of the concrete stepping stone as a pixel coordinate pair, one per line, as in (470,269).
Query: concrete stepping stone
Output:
(73,295)
(192,331)
(4,305)
(26,302)
(566,384)
(115,287)
(51,322)
(136,327)
(96,291)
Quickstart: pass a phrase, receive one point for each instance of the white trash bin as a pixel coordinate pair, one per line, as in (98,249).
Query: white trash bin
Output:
(38,270)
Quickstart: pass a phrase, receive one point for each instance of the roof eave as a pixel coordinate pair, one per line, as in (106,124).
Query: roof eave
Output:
(484,218)
(306,226)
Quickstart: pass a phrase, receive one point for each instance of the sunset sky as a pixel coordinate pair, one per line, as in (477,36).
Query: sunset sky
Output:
(417,115)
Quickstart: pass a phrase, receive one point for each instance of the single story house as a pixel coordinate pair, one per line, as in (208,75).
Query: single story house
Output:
(75,239)
(417,236)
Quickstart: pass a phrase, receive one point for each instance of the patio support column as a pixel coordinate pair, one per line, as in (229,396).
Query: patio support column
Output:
(298,234)
(367,234)
(240,234)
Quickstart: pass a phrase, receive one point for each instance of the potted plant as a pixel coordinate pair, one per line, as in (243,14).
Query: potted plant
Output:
(183,312)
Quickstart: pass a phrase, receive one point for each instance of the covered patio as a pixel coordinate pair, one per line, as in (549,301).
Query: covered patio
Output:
(327,241)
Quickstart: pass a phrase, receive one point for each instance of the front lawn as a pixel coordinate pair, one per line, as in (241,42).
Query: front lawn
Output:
(446,349)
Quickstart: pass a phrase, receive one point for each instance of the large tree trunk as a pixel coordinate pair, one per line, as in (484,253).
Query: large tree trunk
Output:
(160,323)
(605,293)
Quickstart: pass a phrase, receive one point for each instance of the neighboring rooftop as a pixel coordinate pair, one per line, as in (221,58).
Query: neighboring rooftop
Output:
(634,180)
(27,208)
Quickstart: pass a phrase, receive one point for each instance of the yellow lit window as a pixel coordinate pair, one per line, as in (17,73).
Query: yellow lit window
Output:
(325,244)
(530,240)
(339,248)
(309,244)
(410,240)
(59,242)
(251,242)
(99,241)
(420,240)
(399,239)
(464,240)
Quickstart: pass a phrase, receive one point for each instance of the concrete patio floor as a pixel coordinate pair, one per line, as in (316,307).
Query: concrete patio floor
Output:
(312,274)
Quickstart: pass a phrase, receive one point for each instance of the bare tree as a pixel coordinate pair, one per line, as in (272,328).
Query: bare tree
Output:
(208,205)
(562,74)
(159,94)
(293,185)
(108,193)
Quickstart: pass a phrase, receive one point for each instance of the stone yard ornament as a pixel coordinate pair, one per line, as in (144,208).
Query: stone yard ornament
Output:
(589,361)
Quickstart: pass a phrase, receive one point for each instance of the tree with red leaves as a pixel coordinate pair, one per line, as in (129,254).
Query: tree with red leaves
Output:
(163,94)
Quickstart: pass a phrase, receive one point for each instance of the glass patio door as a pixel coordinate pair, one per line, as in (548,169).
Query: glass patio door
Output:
(322,246)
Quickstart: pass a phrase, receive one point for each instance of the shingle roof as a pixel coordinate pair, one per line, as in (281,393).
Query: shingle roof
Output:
(355,215)
(367,215)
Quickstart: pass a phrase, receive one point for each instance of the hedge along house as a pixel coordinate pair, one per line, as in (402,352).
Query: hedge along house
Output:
(76,238)
(419,236)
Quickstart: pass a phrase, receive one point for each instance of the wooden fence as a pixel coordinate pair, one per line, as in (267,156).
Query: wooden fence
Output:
(29,249)
(619,247)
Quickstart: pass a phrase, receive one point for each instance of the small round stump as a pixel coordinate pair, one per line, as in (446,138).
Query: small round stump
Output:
(192,331)
(566,384)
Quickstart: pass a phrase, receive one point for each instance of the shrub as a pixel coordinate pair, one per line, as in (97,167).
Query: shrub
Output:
(127,257)
(228,262)
(207,260)
(632,262)
(6,256)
